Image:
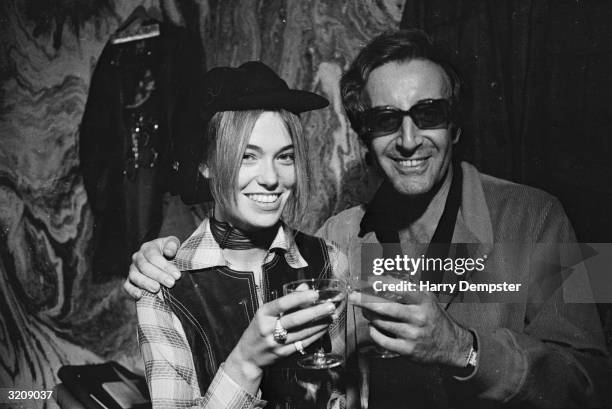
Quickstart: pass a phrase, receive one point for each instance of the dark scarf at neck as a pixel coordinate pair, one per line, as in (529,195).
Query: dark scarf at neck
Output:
(229,237)
(388,212)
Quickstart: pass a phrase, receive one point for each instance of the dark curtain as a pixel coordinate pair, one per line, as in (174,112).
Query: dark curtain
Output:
(540,78)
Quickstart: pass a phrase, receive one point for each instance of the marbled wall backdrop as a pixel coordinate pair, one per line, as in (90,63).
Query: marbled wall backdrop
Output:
(51,311)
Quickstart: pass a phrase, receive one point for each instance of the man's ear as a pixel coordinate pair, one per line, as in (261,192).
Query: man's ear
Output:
(204,170)
(457,135)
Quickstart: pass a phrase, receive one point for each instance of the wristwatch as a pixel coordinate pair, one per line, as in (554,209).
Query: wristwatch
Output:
(471,360)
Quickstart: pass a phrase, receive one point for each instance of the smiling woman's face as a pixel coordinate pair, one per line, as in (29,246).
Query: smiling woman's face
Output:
(266,178)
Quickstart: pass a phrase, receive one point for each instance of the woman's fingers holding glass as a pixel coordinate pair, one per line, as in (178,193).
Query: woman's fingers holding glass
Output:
(331,296)
(290,302)
(305,332)
(289,347)
(310,315)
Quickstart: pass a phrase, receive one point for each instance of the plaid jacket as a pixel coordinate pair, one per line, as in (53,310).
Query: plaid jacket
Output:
(169,364)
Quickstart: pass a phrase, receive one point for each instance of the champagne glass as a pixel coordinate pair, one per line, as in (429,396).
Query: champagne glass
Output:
(375,351)
(329,290)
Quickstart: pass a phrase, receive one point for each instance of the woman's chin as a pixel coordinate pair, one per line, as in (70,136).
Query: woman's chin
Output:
(257,220)
(265,221)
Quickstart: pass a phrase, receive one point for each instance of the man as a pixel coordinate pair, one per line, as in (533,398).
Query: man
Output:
(404,101)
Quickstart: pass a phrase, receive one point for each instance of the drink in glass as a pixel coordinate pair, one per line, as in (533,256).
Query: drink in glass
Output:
(330,290)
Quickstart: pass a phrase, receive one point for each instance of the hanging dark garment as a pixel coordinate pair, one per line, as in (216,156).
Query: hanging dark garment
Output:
(125,138)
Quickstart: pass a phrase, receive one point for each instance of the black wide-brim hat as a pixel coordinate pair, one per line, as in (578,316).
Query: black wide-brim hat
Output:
(253,85)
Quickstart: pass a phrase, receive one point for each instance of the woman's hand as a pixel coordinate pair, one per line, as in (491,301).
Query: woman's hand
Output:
(257,347)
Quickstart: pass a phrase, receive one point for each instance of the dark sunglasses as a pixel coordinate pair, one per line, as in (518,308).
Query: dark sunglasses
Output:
(427,114)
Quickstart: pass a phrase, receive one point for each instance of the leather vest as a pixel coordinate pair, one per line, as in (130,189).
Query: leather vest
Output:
(215,305)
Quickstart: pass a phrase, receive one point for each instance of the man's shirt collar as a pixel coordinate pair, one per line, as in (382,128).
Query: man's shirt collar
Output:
(473,221)
(201,250)
(379,211)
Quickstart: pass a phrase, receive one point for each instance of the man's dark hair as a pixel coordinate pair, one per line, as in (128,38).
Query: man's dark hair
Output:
(396,45)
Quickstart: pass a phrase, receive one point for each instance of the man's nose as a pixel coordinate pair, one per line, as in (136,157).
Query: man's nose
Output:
(409,137)
(268,175)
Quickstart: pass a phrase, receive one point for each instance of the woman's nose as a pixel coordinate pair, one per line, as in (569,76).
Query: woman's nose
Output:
(268,175)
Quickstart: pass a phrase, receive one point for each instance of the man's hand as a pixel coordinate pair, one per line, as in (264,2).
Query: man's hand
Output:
(421,330)
(151,266)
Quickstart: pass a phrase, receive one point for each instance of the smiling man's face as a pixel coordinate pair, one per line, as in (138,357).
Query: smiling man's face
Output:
(414,160)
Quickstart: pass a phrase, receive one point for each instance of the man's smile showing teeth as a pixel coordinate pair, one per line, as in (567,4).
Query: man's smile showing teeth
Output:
(412,162)
(263,197)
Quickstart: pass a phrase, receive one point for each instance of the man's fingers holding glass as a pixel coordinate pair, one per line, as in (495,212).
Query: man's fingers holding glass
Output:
(394,329)
(412,314)
(388,342)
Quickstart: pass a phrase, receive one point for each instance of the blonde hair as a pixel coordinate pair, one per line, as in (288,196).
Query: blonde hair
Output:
(226,139)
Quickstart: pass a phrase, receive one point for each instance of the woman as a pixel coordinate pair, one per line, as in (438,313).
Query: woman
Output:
(209,340)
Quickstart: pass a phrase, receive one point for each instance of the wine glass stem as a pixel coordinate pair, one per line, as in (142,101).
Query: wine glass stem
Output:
(319,357)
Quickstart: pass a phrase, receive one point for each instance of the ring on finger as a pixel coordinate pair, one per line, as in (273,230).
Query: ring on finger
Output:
(299,347)
(280,333)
